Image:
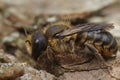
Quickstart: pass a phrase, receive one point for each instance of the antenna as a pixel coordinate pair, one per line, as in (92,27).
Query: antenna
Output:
(25,32)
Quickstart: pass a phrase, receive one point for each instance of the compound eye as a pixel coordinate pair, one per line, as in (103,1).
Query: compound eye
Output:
(37,41)
(39,44)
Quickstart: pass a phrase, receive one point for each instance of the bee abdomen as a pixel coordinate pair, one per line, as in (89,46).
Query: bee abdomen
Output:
(103,41)
(108,46)
(88,37)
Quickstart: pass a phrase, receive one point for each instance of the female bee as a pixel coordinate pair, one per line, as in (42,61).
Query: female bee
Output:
(61,44)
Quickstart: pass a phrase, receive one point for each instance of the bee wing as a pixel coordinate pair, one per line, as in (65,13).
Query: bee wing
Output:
(94,27)
(85,28)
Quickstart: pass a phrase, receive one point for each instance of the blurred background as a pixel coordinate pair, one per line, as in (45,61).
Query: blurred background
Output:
(15,15)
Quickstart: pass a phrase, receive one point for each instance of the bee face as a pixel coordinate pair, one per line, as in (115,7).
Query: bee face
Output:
(28,44)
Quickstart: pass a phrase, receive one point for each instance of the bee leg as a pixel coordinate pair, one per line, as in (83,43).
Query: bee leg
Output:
(72,43)
(50,54)
(100,58)
(97,55)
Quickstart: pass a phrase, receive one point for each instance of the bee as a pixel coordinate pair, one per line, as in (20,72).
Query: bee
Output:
(61,43)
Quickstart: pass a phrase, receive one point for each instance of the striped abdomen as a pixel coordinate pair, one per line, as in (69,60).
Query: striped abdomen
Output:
(103,41)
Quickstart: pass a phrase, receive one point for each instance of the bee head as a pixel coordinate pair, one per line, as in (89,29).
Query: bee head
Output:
(38,43)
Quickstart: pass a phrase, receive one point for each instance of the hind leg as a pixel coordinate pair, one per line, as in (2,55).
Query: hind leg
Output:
(97,55)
